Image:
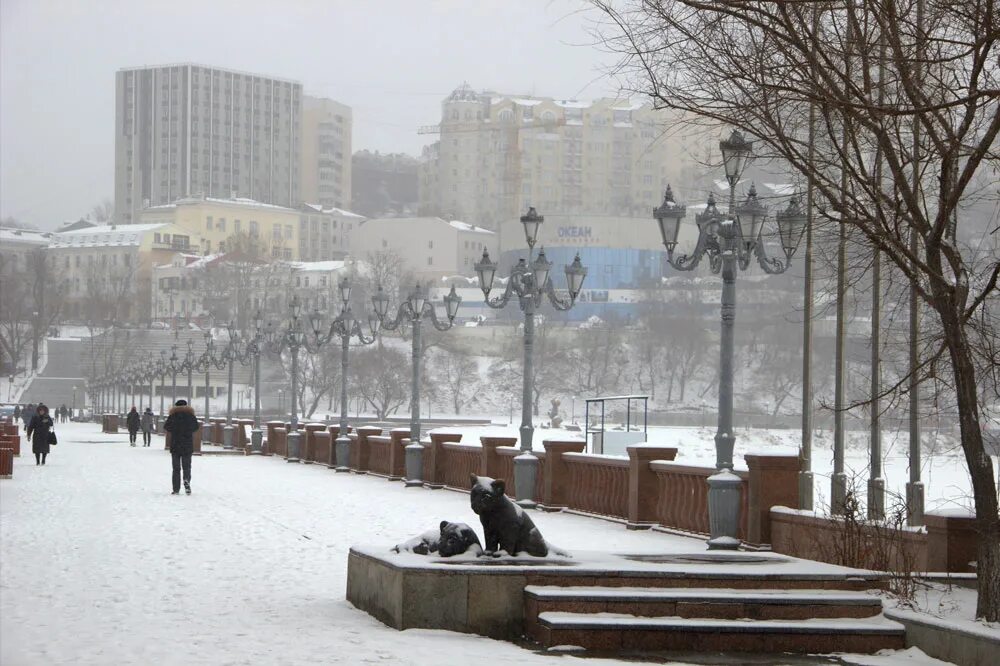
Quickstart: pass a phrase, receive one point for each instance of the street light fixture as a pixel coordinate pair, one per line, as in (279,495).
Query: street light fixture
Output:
(344,326)
(529,281)
(414,309)
(293,339)
(728,242)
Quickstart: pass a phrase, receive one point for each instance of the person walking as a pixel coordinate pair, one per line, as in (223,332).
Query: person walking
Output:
(146,423)
(27,414)
(17,414)
(181,423)
(132,422)
(39,429)
(64,413)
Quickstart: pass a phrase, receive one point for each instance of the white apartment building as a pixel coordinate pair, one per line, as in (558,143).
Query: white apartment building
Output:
(431,247)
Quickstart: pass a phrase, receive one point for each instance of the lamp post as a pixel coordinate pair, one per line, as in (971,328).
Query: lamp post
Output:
(230,354)
(344,326)
(163,376)
(529,281)
(727,245)
(188,365)
(174,367)
(253,350)
(416,306)
(293,339)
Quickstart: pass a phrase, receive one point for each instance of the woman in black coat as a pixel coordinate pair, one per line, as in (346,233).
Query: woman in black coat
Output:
(132,423)
(38,430)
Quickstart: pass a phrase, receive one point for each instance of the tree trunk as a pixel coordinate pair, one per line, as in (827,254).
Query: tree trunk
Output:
(984,491)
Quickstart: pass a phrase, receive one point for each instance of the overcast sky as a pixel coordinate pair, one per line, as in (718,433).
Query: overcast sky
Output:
(391,60)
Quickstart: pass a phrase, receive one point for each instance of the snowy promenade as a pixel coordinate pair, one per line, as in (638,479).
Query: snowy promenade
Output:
(99,564)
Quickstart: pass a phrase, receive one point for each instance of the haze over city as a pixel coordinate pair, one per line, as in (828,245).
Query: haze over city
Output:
(392,65)
(467,332)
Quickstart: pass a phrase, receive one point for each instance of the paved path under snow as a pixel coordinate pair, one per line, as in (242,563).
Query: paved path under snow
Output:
(100,565)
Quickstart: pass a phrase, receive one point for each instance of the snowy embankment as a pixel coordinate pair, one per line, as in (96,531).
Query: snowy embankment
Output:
(944,472)
(99,564)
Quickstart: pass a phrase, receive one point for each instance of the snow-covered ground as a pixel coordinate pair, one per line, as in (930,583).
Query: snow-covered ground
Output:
(99,564)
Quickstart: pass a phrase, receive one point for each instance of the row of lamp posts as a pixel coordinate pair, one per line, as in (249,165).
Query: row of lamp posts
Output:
(729,241)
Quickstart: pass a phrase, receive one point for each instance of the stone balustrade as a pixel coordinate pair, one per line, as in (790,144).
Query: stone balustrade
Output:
(648,489)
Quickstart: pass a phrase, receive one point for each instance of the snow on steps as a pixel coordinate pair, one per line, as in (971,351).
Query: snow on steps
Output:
(615,632)
(716,603)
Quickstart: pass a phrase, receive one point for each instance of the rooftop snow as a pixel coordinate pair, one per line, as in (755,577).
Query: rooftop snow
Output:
(104,235)
(238,201)
(333,211)
(324,266)
(26,236)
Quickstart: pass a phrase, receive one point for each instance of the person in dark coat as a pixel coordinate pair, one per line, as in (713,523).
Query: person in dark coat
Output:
(132,422)
(38,431)
(27,414)
(181,423)
(146,423)
(64,413)
(17,414)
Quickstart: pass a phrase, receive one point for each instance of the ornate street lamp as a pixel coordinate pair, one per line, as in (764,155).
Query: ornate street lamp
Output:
(343,326)
(529,281)
(162,368)
(293,339)
(253,350)
(414,309)
(728,242)
(174,367)
(230,355)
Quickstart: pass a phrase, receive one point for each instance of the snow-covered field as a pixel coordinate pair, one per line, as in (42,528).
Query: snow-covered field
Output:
(99,564)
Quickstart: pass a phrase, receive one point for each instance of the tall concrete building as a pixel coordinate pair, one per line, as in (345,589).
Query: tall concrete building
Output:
(498,154)
(186,130)
(326,153)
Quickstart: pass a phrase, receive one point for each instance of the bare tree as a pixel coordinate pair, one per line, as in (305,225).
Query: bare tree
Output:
(103,211)
(457,373)
(381,378)
(905,97)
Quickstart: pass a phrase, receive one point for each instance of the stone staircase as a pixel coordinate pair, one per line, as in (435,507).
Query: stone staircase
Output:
(705,614)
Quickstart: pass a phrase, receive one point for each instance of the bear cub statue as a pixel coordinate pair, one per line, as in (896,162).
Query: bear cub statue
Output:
(505,525)
(450,539)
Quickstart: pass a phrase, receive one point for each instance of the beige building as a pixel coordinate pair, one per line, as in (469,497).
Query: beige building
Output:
(498,154)
(428,246)
(185,130)
(106,270)
(215,221)
(325,165)
(325,233)
(200,287)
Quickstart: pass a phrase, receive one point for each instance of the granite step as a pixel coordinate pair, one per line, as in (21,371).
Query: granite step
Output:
(717,603)
(619,633)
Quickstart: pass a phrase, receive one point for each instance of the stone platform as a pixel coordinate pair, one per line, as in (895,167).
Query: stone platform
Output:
(488,596)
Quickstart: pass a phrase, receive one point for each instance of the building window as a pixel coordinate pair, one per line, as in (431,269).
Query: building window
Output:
(236,226)
(208,223)
(430,261)
(222,224)
(430,245)
(385,243)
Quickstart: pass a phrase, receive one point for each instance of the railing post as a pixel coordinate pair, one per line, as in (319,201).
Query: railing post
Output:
(555,485)
(642,483)
(773,481)
(364,448)
(434,463)
(490,465)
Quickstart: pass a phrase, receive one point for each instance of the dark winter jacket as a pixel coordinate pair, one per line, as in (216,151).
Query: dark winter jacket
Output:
(181,423)
(38,432)
(132,421)
(146,423)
